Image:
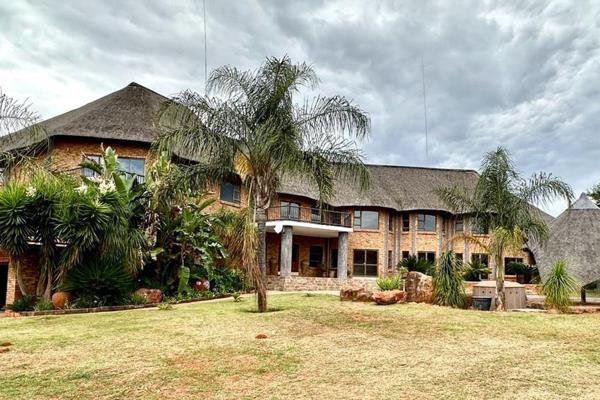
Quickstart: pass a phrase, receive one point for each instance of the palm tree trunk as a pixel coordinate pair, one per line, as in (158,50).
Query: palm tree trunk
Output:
(49,281)
(261,295)
(15,263)
(500,294)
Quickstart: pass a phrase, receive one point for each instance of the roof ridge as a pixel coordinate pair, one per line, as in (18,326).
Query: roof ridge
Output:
(417,167)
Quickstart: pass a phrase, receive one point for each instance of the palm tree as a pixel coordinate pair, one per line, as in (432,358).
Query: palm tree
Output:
(502,203)
(261,134)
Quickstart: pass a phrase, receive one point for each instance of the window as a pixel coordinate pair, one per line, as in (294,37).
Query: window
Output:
(391,222)
(364,263)
(390,260)
(405,222)
(508,260)
(459,257)
(133,166)
(315,256)
(87,171)
(289,210)
(459,223)
(483,257)
(427,255)
(478,227)
(426,222)
(315,213)
(230,192)
(405,255)
(366,219)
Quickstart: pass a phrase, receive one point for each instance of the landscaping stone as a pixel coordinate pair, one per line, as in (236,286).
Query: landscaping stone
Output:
(419,287)
(152,296)
(353,293)
(388,297)
(261,336)
(4,349)
(60,299)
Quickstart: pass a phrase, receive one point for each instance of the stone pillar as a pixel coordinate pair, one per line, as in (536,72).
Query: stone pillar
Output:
(342,267)
(414,225)
(285,263)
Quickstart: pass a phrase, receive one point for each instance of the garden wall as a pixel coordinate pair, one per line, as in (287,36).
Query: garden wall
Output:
(301,283)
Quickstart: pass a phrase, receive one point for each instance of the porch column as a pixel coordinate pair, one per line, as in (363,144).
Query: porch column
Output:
(285,263)
(342,261)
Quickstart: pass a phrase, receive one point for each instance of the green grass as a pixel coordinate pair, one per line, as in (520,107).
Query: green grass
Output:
(317,347)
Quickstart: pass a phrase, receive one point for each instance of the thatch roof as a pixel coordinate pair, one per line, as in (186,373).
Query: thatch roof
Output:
(575,238)
(130,113)
(395,187)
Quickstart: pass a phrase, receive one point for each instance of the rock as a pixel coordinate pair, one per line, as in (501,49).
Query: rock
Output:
(261,336)
(419,287)
(4,349)
(388,297)
(354,293)
(152,296)
(60,299)
(5,344)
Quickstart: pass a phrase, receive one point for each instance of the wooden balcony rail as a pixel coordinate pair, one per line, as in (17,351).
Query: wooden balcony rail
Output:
(307,214)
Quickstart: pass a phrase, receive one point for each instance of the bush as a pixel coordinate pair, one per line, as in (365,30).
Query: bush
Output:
(412,263)
(390,282)
(448,289)
(137,299)
(475,270)
(228,280)
(43,305)
(24,303)
(559,286)
(99,283)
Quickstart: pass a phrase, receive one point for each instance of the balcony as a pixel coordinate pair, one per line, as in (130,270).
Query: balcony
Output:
(292,212)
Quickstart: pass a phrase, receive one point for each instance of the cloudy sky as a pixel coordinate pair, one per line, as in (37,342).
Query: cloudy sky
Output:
(521,74)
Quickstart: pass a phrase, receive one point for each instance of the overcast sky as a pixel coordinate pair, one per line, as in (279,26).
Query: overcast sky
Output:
(521,74)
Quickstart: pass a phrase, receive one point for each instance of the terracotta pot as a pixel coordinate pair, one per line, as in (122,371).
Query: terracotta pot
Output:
(202,286)
(60,299)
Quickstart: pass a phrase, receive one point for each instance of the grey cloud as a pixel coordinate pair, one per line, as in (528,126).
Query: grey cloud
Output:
(524,75)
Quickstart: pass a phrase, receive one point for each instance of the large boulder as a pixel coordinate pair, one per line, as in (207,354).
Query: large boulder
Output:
(152,296)
(388,297)
(419,287)
(354,293)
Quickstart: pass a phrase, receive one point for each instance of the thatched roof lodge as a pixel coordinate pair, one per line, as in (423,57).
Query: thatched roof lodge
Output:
(575,238)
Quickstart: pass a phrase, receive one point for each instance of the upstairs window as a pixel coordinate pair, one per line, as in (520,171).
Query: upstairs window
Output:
(90,173)
(478,227)
(230,192)
(289,210)
(405,222)
(426,222)
(366,219)
(128,165)
(459,223)
(391,222)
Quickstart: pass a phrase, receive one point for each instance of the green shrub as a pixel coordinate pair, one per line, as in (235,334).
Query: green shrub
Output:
(448,289)
(24,303)
(390,282)
(559,286)
(165,306)
(99,283)
(227,280)
(475,270)
(43,305)
(412,263)
(137,299)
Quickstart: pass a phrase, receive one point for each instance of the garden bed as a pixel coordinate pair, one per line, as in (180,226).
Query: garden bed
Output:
(10,313)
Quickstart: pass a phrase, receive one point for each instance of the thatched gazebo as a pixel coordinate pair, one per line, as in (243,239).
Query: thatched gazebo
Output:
(575,238)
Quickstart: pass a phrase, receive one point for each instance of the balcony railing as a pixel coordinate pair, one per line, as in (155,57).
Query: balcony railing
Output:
(306,214)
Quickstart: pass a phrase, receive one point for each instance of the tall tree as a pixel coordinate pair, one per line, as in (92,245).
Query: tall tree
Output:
(502,202)
(258,131)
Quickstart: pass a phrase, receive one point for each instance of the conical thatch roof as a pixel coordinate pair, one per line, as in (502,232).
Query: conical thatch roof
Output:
(575,238)
(130,113)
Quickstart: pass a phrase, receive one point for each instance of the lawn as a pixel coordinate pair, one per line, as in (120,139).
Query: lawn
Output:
(317,347)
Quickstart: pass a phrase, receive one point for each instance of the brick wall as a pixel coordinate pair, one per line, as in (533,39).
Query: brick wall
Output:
(302,283)
(29,267)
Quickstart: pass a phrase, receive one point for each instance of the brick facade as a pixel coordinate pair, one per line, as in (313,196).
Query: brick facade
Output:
(29,266)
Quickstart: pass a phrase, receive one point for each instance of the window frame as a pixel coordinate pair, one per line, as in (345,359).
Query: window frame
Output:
(289,206)
(236,189)
(364,265)
(421,228)
(477,228)
(358,216)
(405,222)
(426,255)
(459,221)
(481,257)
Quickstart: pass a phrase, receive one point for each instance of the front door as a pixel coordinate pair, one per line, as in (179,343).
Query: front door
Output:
(334,255)
(3,283)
